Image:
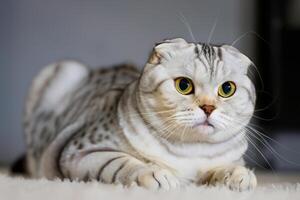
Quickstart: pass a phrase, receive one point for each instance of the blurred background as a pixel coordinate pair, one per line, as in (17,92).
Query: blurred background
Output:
(34,33)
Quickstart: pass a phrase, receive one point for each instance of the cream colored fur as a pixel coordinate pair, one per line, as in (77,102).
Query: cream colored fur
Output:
(187,151)
(153,135)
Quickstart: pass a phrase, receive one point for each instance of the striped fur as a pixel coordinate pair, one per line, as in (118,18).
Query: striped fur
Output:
(117,125)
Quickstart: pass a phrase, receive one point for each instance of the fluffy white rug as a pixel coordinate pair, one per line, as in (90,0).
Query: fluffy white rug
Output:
(19,188)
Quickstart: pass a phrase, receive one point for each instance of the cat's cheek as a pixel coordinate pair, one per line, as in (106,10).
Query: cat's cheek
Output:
(217,119)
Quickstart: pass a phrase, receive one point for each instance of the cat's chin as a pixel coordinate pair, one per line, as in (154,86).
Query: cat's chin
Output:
(204,129)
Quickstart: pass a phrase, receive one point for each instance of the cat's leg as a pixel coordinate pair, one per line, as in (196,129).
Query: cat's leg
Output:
(236,177)
(111,166)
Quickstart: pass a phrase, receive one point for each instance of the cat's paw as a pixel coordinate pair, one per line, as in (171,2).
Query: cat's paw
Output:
(237,178)
(154,178)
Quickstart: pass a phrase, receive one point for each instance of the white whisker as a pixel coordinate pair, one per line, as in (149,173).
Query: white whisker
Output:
(187,25)
(248,33)
(212,30)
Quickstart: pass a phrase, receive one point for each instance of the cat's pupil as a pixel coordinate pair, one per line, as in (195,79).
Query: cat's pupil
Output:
(226,87)
(184,84)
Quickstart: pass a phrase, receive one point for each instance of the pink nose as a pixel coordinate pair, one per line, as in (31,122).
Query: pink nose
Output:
(208,109)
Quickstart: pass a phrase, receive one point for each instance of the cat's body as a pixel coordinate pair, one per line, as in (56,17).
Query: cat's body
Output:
(118,126)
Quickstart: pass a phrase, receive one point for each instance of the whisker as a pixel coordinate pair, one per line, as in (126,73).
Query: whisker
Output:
(275,141)
(171,132)
(259,75)
(261,138)
(255,161)
(182,134)
(248,33)
(260,152)
(152,112)
(265,119)
(271,149)
(212,30)
(274,100)
(183,19)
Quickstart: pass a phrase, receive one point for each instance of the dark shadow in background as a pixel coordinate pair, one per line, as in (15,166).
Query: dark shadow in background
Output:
(278,105)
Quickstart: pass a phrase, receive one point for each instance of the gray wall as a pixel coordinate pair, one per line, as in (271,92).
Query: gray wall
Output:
(34,33)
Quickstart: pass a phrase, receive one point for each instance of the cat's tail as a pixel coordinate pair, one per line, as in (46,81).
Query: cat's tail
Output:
(49,95)
(51,87)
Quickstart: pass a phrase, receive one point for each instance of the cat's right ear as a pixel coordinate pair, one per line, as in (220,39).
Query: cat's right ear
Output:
(155,71)
(154,58)
(165,50)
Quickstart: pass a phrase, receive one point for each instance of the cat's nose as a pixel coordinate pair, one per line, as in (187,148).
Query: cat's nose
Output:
(208,109)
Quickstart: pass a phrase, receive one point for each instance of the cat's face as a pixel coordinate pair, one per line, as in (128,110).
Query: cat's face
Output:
(196,93)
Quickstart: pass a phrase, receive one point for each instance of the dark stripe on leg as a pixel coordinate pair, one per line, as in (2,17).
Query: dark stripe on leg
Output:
(105,165)
(113,180)
(159,185)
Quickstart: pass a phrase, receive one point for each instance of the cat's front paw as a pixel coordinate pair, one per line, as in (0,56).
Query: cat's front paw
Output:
(236,178)
(155,178)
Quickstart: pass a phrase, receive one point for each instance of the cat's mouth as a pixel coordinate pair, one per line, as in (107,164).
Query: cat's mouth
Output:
(205,124)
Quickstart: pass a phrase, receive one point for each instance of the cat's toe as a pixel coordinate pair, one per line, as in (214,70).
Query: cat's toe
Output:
(157,179)
(242,179)
(237,178)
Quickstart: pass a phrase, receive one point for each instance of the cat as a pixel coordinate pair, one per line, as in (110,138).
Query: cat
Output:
(180,121)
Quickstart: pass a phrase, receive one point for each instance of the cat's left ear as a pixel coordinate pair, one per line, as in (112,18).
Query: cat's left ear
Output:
(232,56)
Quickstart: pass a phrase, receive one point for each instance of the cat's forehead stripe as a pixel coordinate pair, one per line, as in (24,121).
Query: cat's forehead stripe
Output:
(209,52)
(210,56)
(220,55)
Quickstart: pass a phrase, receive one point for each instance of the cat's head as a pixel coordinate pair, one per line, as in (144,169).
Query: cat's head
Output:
(196,92)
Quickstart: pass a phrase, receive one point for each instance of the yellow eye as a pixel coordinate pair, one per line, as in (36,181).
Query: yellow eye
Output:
(227,89)
(184,85)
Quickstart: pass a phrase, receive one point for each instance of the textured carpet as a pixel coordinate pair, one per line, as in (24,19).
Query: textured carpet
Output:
(19,188)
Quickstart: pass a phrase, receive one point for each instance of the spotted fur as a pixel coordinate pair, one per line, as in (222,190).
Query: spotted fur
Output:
(111,124)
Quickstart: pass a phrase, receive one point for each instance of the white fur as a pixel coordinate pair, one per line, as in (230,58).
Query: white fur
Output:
(196,143)
(194,157)
(71,74)
(222,146)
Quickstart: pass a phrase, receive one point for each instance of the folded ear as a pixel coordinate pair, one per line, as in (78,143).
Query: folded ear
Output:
(233,56)
(154,71)
(164,49)
(154,58)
